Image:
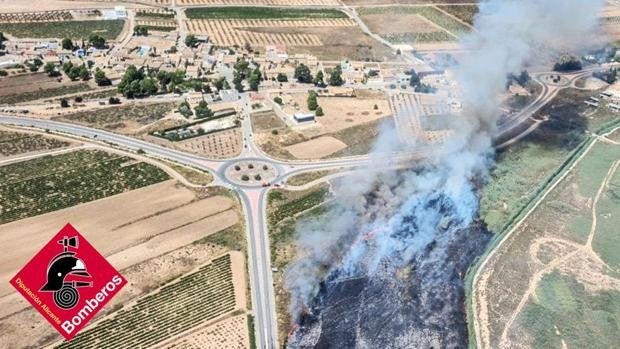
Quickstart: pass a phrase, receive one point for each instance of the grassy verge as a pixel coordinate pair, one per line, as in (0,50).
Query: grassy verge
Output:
(193,176)
(109,29)
(232,238)
(261,13)
(306,177)
(251,330)
(51,183)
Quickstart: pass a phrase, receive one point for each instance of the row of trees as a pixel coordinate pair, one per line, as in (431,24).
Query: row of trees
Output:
(94,40)
(201,110)
(313,104)
(74,71)
(303,75)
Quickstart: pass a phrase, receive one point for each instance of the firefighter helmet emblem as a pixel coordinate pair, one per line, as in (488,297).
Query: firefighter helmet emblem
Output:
(62,265)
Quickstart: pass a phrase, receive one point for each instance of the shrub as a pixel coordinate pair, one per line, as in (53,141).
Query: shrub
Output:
(250,166)
(64,103)
(319,111)
(278,100)
(274,132)
(237,168)
(114,100)
(265,167)
(257,177)
(79,99)
(245,178)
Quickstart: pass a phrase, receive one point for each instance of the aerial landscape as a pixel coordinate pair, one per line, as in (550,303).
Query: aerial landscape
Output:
(309,174)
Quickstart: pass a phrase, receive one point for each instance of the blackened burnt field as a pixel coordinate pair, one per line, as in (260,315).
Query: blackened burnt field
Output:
(416,305)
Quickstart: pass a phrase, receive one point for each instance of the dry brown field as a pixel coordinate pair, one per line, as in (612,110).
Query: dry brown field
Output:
(222,144)
(383,24)
(149,220)
(149,234)
(316,148)
(230,333)
(30,83)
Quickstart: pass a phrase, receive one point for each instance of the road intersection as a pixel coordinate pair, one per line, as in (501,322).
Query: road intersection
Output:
(253,197)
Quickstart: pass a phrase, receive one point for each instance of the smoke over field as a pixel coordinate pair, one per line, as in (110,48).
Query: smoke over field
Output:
(385,268)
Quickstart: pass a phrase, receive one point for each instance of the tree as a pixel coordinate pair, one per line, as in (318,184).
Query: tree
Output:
(202,110)
(114,100)
(319,79)
(64,103)
(97,41)
(237,79)
(282,77)
(2,40)
(335,79)
(567,63)
(319,111)
(312,103)
(190,40)
(147,87)
(83,73)
(185,109)
(74,73)
(219,83)
(79,99)
(302,74)
(101,79)
(278,100)
(141,31)
(67,44)
(66,67)
(415,79)
(255,79)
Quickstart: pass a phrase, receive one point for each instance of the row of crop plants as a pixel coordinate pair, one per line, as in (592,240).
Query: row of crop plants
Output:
(193,300)
(13,143)
(50,183)
(293,207)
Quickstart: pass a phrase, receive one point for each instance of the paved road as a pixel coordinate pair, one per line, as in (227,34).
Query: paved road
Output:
(254,199)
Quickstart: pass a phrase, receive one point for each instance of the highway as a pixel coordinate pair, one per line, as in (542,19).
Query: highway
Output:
(253,199)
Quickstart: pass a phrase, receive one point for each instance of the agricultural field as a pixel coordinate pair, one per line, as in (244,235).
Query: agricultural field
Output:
(230,333)
(412,24)
(262,13)
(147,234)
(109,29)
(217,145)
(128,119)
(30,17)
(28,87)
(192,300)
(325,33)
(554,282)
(465,13)
(51,183)
(15,143)
(259,2)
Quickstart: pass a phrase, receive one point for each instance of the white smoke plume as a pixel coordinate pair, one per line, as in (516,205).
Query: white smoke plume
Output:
(388,217)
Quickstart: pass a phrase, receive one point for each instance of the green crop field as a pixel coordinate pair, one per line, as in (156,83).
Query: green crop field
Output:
(109,29)
(51,183)
(193,300)
(465,13)
(260,13)
(288,204)
(13,143)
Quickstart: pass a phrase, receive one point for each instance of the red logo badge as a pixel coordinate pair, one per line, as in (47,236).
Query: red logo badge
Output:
(68,281)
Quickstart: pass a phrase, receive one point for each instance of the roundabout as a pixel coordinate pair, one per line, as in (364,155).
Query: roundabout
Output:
(250,172)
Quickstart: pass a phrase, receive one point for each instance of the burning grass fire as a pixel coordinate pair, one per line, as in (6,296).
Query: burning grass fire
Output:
(385,268)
